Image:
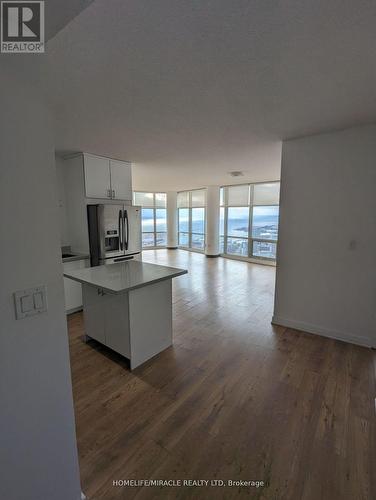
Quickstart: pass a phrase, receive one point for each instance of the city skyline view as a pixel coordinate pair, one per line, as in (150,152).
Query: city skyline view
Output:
(264,227)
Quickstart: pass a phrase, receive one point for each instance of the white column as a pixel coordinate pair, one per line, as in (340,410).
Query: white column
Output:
(172,220)
(212,221)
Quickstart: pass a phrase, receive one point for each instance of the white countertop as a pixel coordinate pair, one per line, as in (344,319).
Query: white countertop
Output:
(124,276)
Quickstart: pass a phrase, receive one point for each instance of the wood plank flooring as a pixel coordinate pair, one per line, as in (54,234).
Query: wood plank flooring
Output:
(235,398)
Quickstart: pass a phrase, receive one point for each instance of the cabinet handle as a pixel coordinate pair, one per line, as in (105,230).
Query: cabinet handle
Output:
(108,193)
(113,193)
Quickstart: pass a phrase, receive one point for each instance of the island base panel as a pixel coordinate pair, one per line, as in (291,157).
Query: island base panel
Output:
(106,319)
(136,324)
(94,313)
(150,320)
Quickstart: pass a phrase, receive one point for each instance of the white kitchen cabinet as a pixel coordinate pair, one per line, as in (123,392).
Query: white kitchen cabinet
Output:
(128,307)
(106,178)
(87,180)
(72,289)
(121,180)
(116,314)
(97,177)
(94,313)
(107,319)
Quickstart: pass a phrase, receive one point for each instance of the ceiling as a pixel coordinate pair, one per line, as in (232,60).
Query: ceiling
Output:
(192,89)
(58,14)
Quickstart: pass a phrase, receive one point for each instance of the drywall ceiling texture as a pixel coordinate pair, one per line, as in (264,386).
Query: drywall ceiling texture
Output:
(326,271)
(58,14)
(191,90)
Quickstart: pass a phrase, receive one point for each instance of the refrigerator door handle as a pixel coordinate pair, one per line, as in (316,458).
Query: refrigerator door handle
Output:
(123,226)
(127,232)
(121,230)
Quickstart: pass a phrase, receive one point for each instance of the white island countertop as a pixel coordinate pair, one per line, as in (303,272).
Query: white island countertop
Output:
(124,276)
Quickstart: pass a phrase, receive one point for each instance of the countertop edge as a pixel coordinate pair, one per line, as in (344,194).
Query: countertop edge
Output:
(76,257)
(134,287)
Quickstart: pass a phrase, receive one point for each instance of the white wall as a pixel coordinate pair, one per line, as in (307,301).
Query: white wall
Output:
(38,452)
(212,221)
(61,202)
(172,219)
(326,269)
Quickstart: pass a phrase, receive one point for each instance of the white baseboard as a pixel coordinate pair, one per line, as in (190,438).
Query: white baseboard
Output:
(262,262)
(319,330)
(74,310)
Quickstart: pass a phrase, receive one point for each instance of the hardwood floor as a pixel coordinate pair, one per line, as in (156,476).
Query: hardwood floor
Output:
(234,398)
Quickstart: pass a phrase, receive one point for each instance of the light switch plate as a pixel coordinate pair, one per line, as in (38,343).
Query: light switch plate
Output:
(27,303)
(30,302)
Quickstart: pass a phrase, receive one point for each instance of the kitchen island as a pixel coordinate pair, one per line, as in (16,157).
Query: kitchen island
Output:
(128,307)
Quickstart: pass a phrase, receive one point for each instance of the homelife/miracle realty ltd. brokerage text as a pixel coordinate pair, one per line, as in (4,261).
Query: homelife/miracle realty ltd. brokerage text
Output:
(190,483)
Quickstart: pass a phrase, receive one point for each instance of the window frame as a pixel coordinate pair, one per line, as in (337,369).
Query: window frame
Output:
(250,237)
(190,232)
(154,207)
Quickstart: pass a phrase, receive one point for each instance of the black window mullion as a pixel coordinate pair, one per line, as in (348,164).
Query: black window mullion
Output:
(225,229)
(190,225)
(155,226)
(190,219)
(154,222)
(250,222)
(204,225)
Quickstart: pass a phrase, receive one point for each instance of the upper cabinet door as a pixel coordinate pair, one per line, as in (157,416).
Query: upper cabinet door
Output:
(97,177)
(121,180)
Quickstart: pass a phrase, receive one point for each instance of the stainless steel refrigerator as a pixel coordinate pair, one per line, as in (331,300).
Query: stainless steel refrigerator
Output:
(114,233)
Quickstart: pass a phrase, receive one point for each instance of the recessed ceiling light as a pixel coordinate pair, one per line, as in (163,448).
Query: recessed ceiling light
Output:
(236,173)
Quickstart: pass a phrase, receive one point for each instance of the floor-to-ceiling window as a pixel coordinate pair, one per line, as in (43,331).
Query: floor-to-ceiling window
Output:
(191,219)
(249,220)
(154,226)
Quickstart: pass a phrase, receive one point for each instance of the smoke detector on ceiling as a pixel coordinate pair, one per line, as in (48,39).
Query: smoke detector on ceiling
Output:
(236,173)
